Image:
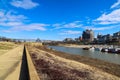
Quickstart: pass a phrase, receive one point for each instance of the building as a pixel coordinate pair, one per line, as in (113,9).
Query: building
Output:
(104,38)
(116,37)
(68,40)
(100,38)
(78,39)
(88,35)
(108,38)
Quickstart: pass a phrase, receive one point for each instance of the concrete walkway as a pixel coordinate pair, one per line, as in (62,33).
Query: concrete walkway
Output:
(10,64)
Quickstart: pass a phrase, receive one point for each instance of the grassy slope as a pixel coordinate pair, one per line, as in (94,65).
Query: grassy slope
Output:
(50,66)
(102,65)
(5,46)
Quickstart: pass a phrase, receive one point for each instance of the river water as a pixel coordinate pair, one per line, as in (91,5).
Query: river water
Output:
(113,58)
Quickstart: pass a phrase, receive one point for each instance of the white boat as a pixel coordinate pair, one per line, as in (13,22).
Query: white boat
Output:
(113,50)
(92,48)
(104,50)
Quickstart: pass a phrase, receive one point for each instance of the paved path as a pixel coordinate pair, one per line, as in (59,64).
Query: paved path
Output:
(10,64)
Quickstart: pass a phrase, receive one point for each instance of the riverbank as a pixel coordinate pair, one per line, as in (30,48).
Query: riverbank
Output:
(83,46)
(100,65)
(75,46)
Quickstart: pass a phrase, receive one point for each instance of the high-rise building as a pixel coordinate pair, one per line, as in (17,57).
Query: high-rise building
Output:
(88,35)
(116,35)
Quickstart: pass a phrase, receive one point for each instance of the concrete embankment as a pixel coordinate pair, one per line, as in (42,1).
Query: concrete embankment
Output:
(31,68)
(17,65)
(27,71)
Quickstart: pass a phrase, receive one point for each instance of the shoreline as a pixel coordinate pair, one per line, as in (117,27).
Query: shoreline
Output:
(56,62)
(100,64)
(83,46)
(76,46)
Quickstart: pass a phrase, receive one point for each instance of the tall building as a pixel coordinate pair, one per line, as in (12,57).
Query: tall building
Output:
(116,35)
(88,35)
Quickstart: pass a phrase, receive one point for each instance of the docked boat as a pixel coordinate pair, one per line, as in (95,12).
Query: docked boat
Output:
(104,50)
(112,50)
(118,52)
(92,48)
(86,48)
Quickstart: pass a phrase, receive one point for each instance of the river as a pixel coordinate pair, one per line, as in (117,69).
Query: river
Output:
(113,58)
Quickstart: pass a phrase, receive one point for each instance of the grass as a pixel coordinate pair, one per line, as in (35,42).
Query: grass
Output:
(52,65)
(5,46)
(111,68)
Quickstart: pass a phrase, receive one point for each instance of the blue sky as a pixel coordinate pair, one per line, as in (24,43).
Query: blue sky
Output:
(57,19)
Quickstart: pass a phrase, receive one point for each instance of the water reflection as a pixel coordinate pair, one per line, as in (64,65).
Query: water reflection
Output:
(114,58)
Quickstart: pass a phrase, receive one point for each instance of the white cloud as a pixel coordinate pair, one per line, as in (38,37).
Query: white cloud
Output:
(111,18)
(18,22)
(25,27)
(10,16)
(70,32)
(10,24)
(100,28)
(10,19)
(117,4)
(30,27)
(1,14)
(26,4)
(75,24)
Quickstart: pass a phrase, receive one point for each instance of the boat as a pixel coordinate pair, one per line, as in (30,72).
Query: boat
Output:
(92,48)
(86,48)
(113,50)
(104,50)
(118,52)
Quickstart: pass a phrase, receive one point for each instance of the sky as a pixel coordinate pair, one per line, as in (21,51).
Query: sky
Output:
(57,19)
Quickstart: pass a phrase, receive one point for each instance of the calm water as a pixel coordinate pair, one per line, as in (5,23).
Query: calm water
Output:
(113,58)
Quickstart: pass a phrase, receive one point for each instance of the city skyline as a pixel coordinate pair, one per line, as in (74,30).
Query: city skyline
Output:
(57,19)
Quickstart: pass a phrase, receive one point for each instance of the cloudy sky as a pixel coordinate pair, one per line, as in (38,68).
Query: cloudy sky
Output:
(57,19)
